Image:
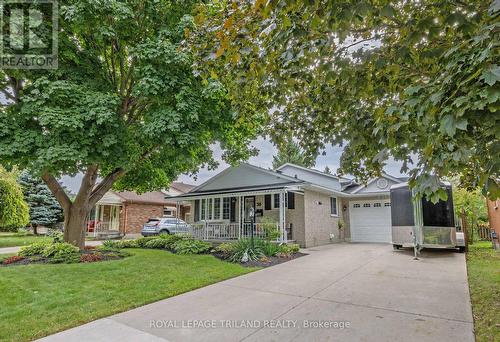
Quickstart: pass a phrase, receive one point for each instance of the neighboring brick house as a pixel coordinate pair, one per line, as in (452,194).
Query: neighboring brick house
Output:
(125,212)
(494,218)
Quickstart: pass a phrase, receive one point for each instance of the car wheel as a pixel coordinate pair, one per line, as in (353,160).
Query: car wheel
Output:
(396,247)
(461,249)
(164,231)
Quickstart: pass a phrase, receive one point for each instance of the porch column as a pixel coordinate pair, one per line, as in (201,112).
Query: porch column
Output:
(239,217)
(176,213)
(282,216)
(97,206)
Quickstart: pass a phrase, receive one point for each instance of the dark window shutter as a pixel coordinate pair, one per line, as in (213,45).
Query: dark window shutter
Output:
(267,202)
(196,210)
(233,210)
(291,200)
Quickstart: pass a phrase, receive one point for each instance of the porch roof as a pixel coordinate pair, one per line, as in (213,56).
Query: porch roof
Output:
(241,191)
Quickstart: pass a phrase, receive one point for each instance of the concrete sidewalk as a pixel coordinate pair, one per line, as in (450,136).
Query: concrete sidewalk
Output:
(8,250)
(380,294)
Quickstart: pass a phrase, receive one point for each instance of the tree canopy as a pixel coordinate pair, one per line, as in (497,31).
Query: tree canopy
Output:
(124,105)
(415,80)
(290,152)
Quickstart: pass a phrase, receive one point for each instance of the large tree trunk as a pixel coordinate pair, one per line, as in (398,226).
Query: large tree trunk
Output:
(76,212)
(74,225)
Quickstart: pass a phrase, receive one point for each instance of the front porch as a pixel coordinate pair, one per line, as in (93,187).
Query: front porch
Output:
(221,232)
(104,221)
(234,215)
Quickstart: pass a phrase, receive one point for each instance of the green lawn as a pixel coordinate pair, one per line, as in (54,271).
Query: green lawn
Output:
(37,300)
(11,239)
(483,268)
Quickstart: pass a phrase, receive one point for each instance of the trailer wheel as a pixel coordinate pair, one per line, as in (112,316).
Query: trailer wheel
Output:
(396,247)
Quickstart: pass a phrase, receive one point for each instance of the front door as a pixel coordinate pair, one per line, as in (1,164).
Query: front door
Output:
(249,202)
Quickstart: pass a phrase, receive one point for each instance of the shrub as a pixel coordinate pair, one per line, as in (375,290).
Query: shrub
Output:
(270,227)
(171,239)
(188,246)
(91,257)
(33,249)
(156,243)
(62,252)
(56,235)
(12,259)
(294,247)
(270,248)
(111,244)
(225,250)
(141,242)
(127,244)
(244,246)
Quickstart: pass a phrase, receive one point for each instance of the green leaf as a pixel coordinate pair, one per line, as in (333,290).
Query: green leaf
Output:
(491,75)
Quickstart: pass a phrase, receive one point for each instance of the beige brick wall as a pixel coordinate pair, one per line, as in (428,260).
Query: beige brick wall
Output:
(319,224)
(295,217)
(135,215)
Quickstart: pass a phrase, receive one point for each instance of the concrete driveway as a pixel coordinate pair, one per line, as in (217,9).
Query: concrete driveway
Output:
(341,292)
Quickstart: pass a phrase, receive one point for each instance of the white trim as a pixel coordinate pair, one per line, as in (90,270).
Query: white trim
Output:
(336,205)
(382,175)
(228,169)
(310,170)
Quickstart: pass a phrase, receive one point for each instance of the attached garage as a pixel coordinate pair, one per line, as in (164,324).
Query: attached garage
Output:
(370,220)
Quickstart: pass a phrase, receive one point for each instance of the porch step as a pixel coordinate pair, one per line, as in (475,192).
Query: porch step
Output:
(107,235)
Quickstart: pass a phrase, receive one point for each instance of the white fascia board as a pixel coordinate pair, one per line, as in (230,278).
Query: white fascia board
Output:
(310,170)
(325,190)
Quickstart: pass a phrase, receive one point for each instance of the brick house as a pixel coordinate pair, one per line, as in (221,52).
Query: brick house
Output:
(494,218)
(304,205)
(120,213)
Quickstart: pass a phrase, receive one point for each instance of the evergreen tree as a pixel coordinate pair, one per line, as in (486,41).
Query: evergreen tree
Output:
(290,152)
(43,206)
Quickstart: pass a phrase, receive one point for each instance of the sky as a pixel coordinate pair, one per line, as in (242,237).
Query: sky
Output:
(263,159)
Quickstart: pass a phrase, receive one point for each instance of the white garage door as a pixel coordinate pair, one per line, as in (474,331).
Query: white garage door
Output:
(370,221)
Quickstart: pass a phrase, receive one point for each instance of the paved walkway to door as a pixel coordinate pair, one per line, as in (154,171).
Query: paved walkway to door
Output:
(383,295)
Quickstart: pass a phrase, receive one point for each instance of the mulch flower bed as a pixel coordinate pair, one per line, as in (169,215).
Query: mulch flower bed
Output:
(266,261)
(89,254)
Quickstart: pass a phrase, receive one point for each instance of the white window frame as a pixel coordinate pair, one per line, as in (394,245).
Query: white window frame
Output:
(273,201)
(207,210)
(336,214)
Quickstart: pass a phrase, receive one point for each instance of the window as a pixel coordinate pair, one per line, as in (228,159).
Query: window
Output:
(168,212)
(276,201)
(377,205)
(333,206)
(356,205)
(387,204)
(203,209)
(366,205)
(226,208)
(267,202)
(216,208)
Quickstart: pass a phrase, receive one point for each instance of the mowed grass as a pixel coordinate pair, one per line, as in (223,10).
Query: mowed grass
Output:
(38,300)
(12,240)
(483,268)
